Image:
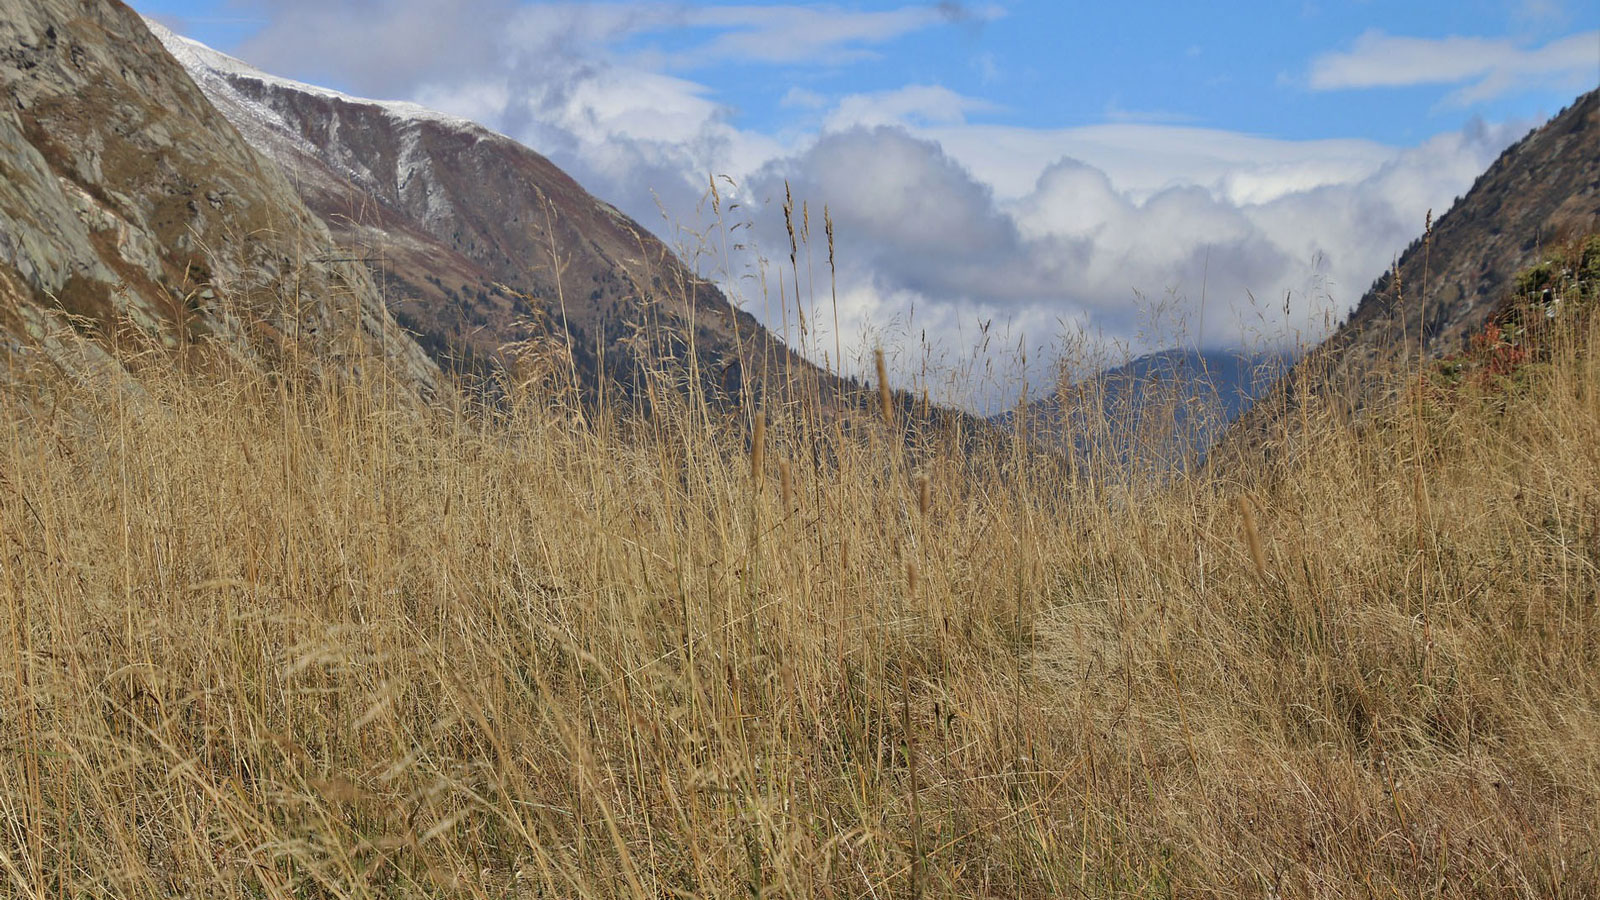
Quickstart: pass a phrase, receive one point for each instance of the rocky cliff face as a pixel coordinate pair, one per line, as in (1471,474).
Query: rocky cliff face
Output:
(126,197)
(478,240)
(1445,287)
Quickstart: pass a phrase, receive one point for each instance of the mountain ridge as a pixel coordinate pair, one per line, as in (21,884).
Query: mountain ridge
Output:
(474,237)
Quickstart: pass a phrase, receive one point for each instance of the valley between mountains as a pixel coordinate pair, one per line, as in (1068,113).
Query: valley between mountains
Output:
(383,515)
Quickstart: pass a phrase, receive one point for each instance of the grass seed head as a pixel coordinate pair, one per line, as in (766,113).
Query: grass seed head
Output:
(758,448)
(884,399)
(1252,538)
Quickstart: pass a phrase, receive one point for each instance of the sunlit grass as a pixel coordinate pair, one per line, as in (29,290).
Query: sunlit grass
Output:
(269,635)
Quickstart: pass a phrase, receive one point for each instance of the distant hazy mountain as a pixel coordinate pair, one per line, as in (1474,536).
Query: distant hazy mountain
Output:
(1158,412)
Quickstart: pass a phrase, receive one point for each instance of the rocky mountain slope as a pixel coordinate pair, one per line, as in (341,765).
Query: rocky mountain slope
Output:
(125,196)
(1446,286)
(478,241)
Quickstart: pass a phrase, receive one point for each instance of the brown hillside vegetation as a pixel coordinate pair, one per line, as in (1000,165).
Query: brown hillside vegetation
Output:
(270,636)
(1542,193)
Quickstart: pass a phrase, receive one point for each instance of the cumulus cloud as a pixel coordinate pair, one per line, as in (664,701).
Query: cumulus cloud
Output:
(1078,250)
(1494,66)
(1145,158)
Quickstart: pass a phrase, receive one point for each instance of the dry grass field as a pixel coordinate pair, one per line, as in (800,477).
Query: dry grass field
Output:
(270,635)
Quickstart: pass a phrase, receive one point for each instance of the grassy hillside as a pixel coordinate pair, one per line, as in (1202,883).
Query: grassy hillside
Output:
(266,636)
(1542,192)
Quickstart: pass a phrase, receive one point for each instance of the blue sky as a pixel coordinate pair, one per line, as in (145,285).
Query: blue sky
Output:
(1058,166)
(1242,66)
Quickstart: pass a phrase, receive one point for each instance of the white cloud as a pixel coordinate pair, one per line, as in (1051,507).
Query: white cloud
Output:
(1143,158)
(412,40)
(814,34)
(802,98)
(1494,66)
(1080,249)
(919,103)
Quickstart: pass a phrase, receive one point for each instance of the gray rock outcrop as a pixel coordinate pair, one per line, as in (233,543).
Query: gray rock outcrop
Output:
(126,198)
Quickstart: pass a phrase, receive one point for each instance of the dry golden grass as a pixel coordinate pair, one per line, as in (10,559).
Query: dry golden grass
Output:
(273,637)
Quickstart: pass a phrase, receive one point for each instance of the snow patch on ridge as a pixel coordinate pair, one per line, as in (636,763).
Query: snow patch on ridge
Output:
(222,78)
(203,62)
